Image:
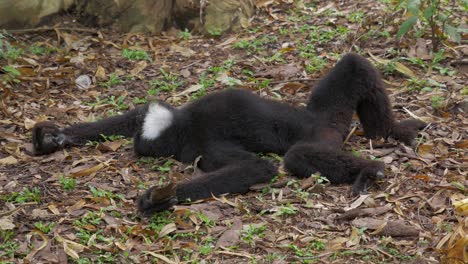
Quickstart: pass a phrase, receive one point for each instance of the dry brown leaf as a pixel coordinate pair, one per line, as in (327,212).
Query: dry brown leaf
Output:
(357,203)
(462,144)
(160,257)
(190,90)
(458,253)
(231,236)
(184,51)
(398,66)
(100,73)
(167,229)
(461,206)
(53,209)
(426,151)
(111,145)
(29,123)
(354,238)
(6,223)
(281,72)
(76,206)
(8,160)
(141,65)
(85,170)
(397,228)
(33,252)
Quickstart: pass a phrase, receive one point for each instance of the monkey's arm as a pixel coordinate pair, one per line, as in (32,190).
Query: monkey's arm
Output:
(48,137)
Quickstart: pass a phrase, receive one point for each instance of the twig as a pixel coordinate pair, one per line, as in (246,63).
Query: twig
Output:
(295,80)
(188,65)
(16,209)
(42,29)
(349,135)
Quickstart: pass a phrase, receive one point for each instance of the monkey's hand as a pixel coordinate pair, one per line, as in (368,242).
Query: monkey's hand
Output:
(47,138)
(157,199)
(366,177)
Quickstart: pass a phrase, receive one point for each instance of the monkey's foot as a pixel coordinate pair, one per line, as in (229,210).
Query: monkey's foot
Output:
(157,199)
(407,130)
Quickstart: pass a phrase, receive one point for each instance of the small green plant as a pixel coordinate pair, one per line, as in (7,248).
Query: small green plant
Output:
(301,252)
(136,55)
(8,51)
(253,46)
(206,221)
(104,193)
(437,102)
(207,246)
(315,64)
(7,245)
(356,17)
(37,49)
(166,167)
(435,14)
(185,34)
(68,184)
(114,79)
(112,137)
(90,218)
(44,228)
(11,75)
(26,195)
(160,220)
(138,100)
(252,233)
(118,103)
(205,83)
(169,83)
(276,58)
(215,32)
(286,210)
(85,236)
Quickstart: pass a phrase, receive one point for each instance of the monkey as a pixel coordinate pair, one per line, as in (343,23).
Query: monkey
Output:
(227,128)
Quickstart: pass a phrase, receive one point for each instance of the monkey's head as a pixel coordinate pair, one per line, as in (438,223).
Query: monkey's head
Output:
(47,137)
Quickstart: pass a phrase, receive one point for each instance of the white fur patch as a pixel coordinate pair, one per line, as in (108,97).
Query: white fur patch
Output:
(157,119)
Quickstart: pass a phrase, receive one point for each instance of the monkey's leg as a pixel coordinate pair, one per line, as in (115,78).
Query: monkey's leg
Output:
(305,158)
(355,85)
(229,169)
(48,137)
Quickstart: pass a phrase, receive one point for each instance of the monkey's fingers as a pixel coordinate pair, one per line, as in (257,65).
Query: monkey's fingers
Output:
(157,199)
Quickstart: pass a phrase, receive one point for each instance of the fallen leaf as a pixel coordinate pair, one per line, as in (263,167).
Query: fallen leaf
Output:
(8,160)
(226,80)
(398,66)
(111,145)
(190,90)
(6,223)
(167,229)
(100,73)
(461,207)
(85,170)
(33,252)
(160,257)
(186,52)
(231,236)
(141,65)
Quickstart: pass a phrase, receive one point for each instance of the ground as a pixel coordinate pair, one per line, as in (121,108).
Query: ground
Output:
(78,205)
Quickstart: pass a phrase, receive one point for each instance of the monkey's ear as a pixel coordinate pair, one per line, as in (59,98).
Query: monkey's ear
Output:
(157,199)
(47,138)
